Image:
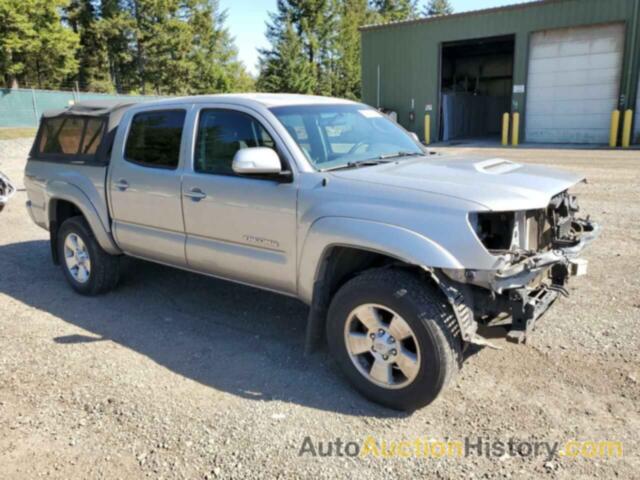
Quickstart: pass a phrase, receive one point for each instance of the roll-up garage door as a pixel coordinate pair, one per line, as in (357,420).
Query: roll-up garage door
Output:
(573,83)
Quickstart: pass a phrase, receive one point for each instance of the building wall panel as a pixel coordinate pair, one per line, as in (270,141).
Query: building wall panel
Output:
(408,53)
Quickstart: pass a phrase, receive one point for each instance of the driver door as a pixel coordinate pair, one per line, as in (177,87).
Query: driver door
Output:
(242,228)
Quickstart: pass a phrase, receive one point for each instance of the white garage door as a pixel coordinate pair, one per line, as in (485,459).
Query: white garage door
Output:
(573,84)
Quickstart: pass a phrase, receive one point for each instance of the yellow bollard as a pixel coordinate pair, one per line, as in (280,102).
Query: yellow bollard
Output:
(515,129)
(505,129)
(626,128)
(615,125)
(427,129)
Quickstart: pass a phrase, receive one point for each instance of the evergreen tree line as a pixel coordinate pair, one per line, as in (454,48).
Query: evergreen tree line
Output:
(315,44)
(136,46)
(170,47)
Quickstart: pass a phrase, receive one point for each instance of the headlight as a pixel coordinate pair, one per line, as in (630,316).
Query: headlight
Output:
(494,229)
(521,230)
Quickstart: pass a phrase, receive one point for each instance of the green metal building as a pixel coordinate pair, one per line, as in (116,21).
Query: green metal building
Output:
(563,65)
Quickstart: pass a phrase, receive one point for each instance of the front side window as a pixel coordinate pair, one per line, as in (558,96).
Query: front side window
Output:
(333,136)
(154,138)
(221,133)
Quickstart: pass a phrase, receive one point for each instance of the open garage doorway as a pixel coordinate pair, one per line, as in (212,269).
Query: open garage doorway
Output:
(476,85)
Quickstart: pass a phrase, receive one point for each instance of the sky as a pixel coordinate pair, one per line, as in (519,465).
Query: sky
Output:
(246,22)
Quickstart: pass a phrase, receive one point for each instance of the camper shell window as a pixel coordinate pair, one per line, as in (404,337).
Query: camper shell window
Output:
(70,138)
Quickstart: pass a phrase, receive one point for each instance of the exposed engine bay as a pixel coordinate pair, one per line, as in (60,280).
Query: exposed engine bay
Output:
(526,233)
(537,254)
(6,190)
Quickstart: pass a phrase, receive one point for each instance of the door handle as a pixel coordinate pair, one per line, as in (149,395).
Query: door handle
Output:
(195,194)
(121,185)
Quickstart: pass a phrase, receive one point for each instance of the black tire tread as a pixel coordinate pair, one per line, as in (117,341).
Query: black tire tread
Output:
(429,300)
(105,268)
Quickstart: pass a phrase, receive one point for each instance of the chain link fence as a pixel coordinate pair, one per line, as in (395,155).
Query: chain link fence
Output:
(22,107)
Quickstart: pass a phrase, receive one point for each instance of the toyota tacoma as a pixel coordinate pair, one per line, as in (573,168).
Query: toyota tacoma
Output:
(401,256)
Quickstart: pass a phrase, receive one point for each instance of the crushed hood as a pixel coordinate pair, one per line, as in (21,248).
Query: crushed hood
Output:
(495,183)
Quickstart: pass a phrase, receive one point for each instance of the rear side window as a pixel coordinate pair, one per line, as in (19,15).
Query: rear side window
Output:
(63,135)
(154,138)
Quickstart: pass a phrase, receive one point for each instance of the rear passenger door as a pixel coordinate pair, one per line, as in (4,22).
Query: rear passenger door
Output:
(238,227)
(144,187)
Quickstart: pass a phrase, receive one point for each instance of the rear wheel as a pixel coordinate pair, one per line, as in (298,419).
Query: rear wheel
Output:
(86,266)
(394,337)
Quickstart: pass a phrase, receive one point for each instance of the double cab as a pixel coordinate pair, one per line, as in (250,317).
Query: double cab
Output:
(400,255)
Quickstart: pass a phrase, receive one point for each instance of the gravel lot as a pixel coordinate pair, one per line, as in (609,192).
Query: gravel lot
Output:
(180,376)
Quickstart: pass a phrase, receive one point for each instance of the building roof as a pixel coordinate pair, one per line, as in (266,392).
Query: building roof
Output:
(482,11)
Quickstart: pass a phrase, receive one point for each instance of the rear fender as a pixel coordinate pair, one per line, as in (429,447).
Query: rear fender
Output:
(57,191)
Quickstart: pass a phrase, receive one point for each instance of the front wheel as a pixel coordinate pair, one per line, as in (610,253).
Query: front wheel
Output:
(86,266)
(394,337)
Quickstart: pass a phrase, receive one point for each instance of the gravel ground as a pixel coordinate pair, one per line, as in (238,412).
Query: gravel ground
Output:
(175,375)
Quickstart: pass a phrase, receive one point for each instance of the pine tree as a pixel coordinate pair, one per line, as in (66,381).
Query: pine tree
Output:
(117,28)
(286,67)
(396,10)
(307,26)
(92,56)
(170,47)
(163,44)
(214,55)
(353,14)
(437,7)
(36,49)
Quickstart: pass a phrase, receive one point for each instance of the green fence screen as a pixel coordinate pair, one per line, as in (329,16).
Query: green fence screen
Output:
(20,107)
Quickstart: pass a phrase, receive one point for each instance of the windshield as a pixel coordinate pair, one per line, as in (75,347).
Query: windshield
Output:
(333,136)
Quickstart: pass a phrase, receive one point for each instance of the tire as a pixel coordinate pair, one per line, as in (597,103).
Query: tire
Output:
(102,270)
(432,354)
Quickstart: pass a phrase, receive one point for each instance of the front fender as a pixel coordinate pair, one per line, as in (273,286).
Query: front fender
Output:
(58,190)
(391,240)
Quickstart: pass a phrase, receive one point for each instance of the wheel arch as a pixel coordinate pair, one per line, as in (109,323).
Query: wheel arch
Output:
(392,241)
(68,201)
(336,249)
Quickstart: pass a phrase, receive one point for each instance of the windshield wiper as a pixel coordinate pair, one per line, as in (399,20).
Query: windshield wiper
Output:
(384,158)
(358,164)
(400,154)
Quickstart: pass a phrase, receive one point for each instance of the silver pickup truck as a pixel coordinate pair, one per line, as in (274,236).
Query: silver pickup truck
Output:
(400,255)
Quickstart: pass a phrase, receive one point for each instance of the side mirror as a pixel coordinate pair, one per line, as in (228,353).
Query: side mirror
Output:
(256,161)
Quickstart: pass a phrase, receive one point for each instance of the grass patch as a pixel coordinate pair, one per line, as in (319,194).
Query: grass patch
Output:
(11,133)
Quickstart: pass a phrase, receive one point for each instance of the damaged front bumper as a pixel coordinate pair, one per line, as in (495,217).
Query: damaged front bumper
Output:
(525,272)
(523,288)
(530,298)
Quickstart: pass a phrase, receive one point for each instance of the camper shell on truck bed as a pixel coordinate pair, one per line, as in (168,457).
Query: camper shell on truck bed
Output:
(92,131)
